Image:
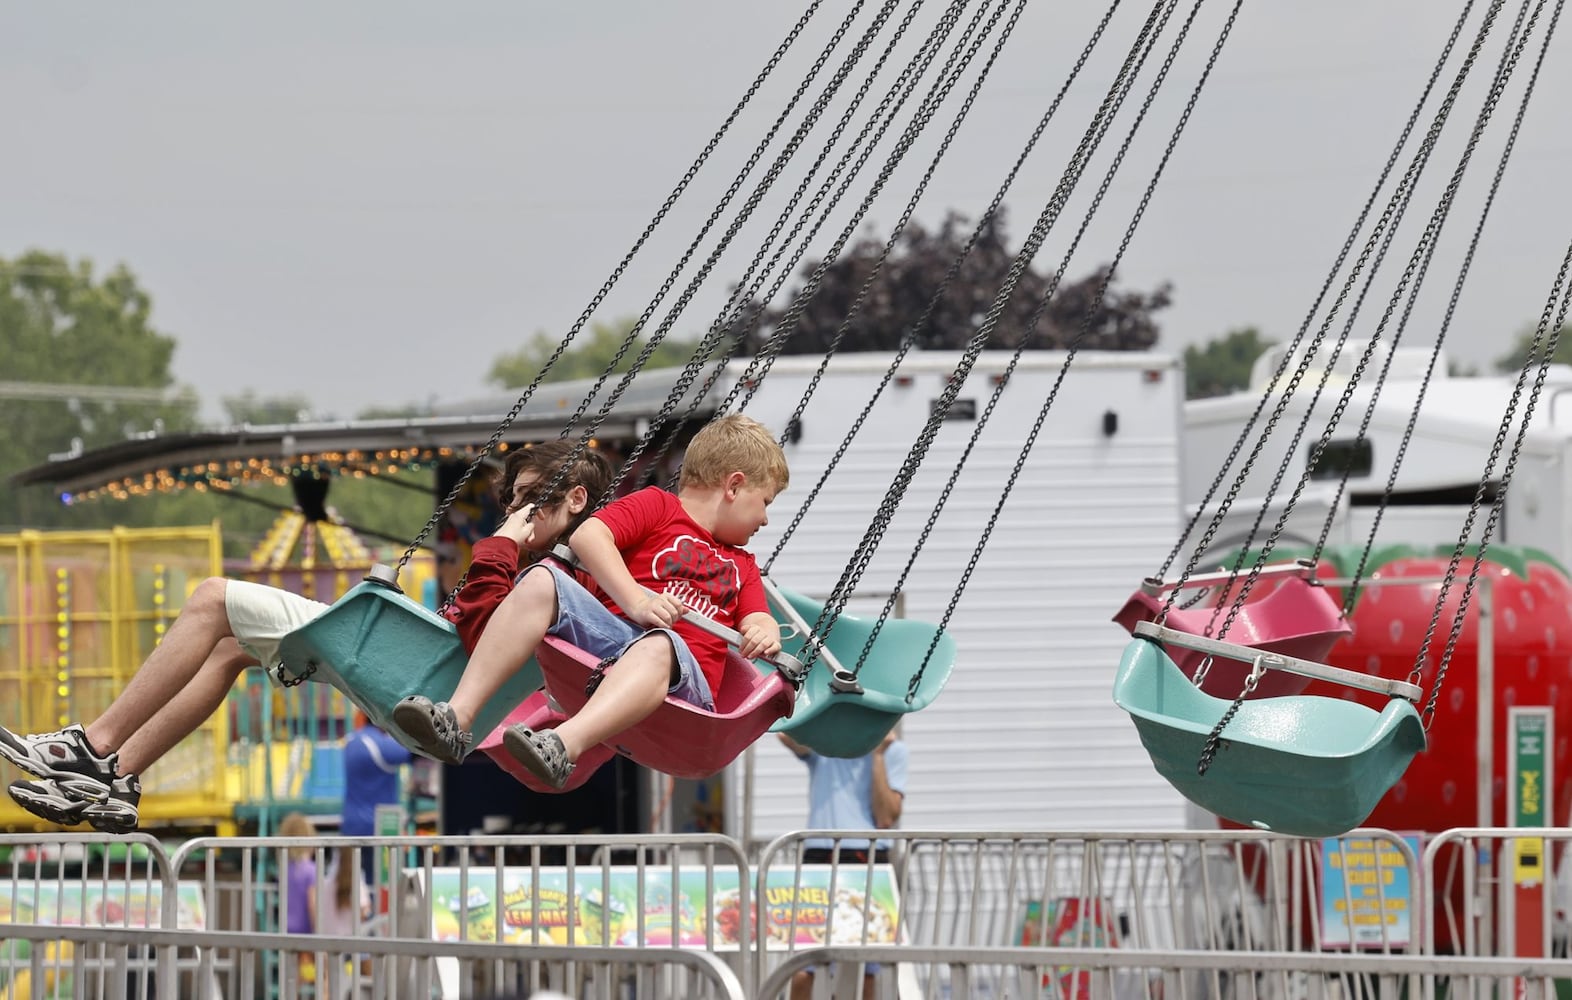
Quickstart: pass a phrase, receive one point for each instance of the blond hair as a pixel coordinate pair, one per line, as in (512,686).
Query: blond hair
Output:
(734,443)
(297,825)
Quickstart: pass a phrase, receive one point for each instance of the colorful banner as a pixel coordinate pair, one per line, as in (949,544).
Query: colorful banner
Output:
(98,904)
(604,911)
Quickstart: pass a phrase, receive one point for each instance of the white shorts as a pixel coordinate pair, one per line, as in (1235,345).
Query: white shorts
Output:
(261,616)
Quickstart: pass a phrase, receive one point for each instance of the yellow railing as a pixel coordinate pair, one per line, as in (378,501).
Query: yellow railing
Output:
(79,612)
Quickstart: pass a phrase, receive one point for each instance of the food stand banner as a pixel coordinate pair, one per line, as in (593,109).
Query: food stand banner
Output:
(98,904)
(812,910)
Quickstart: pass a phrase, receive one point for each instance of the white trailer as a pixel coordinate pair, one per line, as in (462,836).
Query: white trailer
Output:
(1458,419)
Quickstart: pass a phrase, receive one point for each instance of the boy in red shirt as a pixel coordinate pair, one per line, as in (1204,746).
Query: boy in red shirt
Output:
(652,555)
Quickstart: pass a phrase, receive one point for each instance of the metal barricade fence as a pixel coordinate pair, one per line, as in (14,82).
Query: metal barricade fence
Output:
(1214,890)
(1498,891)
(379,969)
(637,892)
(1087,973)
(72,879)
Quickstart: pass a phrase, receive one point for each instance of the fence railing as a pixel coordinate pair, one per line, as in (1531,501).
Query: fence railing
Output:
(1214,894)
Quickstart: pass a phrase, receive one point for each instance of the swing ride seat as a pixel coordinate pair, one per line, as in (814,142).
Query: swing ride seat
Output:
(1298,764)
(678,739)
(378,646)
(538,713)
(839,723)
(1298,619)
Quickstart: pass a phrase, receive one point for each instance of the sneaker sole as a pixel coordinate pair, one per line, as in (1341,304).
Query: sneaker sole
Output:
(416,723)
(44,807)
(520,748)
(107,822)
(88,787)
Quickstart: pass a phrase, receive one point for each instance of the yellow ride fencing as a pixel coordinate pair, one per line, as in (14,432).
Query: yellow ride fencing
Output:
(79,612)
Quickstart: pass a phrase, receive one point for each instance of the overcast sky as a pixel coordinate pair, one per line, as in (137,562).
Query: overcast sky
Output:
(366,203)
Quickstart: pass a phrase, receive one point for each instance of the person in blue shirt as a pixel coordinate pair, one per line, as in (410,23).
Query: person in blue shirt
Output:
(372,760)
(861,793)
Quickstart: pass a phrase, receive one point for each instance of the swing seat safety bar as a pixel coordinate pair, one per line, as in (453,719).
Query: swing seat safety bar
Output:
(1153,586)
(1279,661)
(842,681)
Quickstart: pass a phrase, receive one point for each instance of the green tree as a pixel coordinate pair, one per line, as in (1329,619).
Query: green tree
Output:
(1514,360)
(588,355)
(1223,365)
(917,265)
(250,408)
(61,325)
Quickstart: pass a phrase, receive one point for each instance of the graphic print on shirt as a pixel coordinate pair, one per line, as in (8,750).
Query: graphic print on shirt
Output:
(698,575)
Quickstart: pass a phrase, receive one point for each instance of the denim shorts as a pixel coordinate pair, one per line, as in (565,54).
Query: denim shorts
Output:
(588,624)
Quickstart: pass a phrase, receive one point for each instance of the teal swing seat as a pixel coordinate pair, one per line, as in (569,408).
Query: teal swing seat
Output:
(378,646)
(841,715)
(1299,764)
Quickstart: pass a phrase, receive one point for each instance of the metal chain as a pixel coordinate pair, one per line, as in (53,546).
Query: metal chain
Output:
(1545,350)
(1214,739)
(913,333)
(875,532)
(1446,320)
(1081,334)
(744,297)
(950,73)
(763,186)
(1387,221)
(1427,253)
(610,282)
(1326,285)
(1426,243)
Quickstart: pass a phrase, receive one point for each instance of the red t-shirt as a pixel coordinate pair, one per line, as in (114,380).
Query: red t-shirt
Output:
(668,552)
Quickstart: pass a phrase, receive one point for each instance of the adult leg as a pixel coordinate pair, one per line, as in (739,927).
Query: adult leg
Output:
(506,644)
(627,694)
(196,702)
(189,646)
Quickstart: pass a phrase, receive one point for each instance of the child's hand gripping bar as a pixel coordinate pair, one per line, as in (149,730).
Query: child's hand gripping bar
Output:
(783,661)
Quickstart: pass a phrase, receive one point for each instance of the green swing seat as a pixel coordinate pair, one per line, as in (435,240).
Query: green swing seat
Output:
(849,718)
(378,646)
(1299,764)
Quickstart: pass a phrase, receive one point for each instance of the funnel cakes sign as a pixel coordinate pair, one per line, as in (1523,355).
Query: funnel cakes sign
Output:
(692,907)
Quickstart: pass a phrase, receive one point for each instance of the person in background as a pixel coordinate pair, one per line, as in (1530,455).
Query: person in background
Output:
(861,793)
(372,760)
(300,876)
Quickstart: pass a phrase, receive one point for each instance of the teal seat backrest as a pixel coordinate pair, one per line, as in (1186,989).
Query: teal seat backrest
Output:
(850,725)
(378,646)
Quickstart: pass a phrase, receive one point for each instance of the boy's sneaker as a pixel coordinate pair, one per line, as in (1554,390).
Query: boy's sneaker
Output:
(63,757)
(542,753)
(433,728)
(56,802)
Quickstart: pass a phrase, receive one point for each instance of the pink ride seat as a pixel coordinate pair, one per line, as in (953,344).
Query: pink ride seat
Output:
(536,713)
(679,739)
(1297,618)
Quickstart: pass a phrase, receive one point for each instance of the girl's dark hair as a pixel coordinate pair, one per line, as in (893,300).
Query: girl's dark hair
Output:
(543,459)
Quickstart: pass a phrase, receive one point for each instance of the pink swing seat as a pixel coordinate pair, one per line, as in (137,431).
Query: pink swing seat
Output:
(537,713)
(678,739)
(1297,618)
